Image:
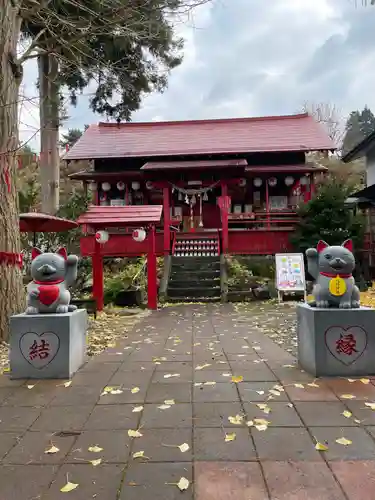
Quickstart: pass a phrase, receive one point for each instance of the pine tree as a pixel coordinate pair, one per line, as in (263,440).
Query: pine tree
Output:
(326,217)
(353,133)
(367,122)
(71,137)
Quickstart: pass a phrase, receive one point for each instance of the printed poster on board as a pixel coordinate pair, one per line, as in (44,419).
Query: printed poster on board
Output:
(290,272)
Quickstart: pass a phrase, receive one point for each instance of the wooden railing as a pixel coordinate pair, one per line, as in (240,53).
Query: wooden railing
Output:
(264,220)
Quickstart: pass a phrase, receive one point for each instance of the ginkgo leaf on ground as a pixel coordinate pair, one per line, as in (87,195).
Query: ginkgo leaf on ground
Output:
(343,441)
(67,384)
(210,383)
(139,454)
(164,407)
(69,487)
(226,374)
(230,437)
(299,386)
(320,446)
(52,450)
(313,384)
(116,391)
(200,367)
(137,409)
(237,378)
(365,381)
(169,402)
(370,405)
(135,390)
(347,396)
(95,449)
(96,462)
(30,386)
(183,484)
(237,420)
(346,414)
(274,392)
(135,434)
(184,447)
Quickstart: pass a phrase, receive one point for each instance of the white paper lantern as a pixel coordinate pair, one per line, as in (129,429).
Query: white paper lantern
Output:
(258,182)
(139,235)
(120,185)
(289,180)
(135,185)
(272,181)
(106,186)
(242,182)
(149,185)
(304,180)
(101,237)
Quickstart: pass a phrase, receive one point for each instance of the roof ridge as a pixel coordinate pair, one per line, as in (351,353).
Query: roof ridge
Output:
(205,121)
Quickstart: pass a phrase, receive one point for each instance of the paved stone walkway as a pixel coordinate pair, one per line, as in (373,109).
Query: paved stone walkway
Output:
(178,354)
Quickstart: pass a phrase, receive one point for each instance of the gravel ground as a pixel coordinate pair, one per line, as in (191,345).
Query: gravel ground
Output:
(277,321)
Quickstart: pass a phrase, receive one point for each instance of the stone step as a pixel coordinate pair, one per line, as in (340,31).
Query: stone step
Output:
(196,273)
(194,292)
(189,282)
(193,299)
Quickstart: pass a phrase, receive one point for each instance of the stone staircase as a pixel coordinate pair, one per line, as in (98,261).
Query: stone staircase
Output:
(194,279)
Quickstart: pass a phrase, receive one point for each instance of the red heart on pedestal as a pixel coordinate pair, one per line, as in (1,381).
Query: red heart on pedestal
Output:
(48,294)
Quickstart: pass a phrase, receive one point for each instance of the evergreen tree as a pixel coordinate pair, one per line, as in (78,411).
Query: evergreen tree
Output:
(327,218)
(367,122)
(71,137)
(358,126)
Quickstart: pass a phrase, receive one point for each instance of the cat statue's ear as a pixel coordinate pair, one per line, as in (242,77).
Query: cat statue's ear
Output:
(35,252)
(63,253)
(321,246)
(348,244)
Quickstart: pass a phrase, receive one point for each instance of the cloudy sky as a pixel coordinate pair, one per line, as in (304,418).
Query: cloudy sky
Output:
(252,58)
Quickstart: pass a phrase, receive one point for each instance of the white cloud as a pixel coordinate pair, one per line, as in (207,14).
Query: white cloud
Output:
(252,57)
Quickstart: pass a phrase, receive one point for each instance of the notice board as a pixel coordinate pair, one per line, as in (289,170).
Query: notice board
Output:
(290,273)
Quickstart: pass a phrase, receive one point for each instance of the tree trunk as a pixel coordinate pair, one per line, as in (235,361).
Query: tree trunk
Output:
(49,132)
(11,288)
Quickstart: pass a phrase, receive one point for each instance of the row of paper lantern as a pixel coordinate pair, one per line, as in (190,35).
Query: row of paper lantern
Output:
(138,235)
(272,181)
(135,185)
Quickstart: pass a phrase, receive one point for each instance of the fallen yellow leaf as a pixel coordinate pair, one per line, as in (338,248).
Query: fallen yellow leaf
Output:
(183,484)
(321,446)
(200,367)
(137,409)
(139,454)
(184,447)
(116,391)
(164,407)
(134,434)
(343,441)
(169,375)
(135,390)
(261,427)
(30,386)
(237,420)
(279,388)
(226,374)
(365,381)
(95,449)
(313,384)
(169,402)
(52,450)
(250,423)
(370,405)
(274,392)
(210,383)
(237,378)
(299,386)
(96,462)
(347,414)
(67,384)
(230,437)
(347,396)
(69,487)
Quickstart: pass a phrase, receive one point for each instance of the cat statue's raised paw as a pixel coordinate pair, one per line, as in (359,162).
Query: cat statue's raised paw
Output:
(332,268)
(52,274)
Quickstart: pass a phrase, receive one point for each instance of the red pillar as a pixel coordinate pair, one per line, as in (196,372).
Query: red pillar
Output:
(167,229)
(224,218)
(267,205)
(152,291)
(97,277)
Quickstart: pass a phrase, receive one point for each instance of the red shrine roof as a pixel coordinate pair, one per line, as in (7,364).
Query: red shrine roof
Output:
(178,165)
(198,137)
(99,216)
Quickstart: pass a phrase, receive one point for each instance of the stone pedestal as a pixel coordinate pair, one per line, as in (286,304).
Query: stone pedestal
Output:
(336,342)
(46,346)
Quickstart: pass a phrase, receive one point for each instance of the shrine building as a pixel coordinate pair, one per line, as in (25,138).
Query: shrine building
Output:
(226,186)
